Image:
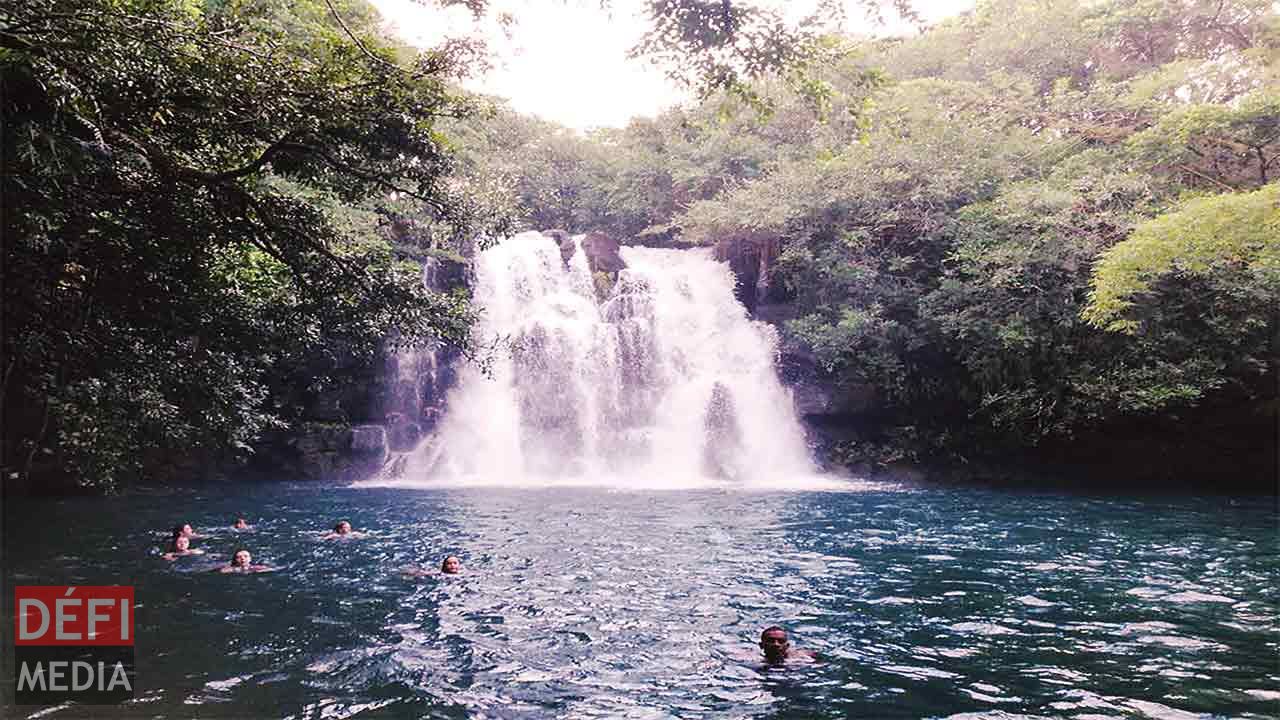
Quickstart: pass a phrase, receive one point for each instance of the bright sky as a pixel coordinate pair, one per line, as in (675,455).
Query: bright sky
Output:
(566,60)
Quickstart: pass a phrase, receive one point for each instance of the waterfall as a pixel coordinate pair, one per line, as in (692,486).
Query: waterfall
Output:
(659,380)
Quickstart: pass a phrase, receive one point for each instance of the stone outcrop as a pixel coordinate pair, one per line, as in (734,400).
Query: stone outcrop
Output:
(369,441)
(323,451)
(442,272)
(602,251)
(603,255)
(751,259)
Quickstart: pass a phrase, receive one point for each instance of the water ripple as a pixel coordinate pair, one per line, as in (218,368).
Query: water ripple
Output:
(578,603)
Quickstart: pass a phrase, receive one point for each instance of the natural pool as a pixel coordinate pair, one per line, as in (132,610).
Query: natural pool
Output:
(580,602)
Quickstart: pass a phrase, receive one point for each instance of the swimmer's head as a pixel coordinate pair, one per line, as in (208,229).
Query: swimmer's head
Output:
(774,643)
(240,524)
(451,565)
(181,543)
(242,558)
(342,528)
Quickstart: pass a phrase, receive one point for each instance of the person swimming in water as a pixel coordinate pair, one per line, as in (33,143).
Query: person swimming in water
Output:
(777,647)
(179,546)
(451,565)
(186,530)
(242,562)
(343,530)
(241,524)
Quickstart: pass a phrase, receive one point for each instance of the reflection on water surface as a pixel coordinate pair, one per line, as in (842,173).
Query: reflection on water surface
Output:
(578,602)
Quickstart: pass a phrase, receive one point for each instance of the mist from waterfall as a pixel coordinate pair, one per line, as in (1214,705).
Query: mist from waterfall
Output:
(662,382)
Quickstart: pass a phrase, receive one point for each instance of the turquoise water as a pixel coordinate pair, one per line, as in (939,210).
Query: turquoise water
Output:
(583,603)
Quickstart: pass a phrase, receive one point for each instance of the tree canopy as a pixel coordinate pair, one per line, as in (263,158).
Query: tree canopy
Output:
(174,252)
(1232,233)
(1031,222)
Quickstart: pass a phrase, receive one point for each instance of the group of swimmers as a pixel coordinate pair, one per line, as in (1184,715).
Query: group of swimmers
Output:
(774,641)
(242,561)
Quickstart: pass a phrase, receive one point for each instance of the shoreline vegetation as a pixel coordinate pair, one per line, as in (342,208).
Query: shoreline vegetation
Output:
(990,256)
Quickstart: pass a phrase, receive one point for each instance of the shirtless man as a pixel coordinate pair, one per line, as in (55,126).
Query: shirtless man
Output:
(180,546)
(777,647)
(242,562)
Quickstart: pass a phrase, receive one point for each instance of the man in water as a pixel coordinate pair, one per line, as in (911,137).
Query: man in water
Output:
(777,647)
(451,565)
(241,524)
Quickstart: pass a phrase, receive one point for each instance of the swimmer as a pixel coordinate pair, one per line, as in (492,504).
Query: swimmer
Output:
(777,647)
(343,530)
(181,545)
(186,530)
(449,566)
(242,562)
(241,524)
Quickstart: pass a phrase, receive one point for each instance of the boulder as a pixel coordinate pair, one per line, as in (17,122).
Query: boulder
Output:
(602,251)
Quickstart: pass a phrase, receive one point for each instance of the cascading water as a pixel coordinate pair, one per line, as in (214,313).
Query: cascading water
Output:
(664,382)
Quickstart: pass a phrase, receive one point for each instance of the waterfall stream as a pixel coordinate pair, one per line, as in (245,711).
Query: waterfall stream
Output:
(659,380)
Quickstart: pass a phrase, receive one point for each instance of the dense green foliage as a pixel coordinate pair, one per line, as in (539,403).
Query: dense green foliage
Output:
(184,243)
(986,224)
(1036,221)
(1220,234)
(209,204)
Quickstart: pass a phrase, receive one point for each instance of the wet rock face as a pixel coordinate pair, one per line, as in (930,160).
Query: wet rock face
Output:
(444,274)
(751,261)
(601,250)
(602,253)
(816,393)
(333,452)
(369,440)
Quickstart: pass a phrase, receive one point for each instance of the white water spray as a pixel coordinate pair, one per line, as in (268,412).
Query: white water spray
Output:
(664,383)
